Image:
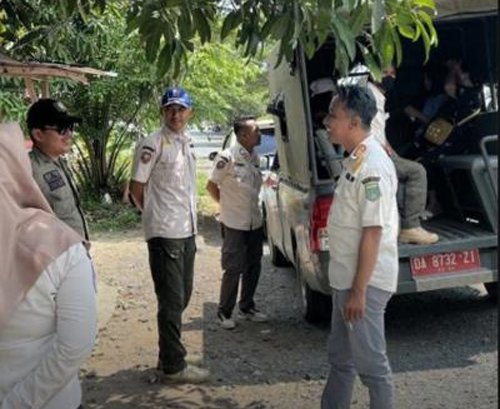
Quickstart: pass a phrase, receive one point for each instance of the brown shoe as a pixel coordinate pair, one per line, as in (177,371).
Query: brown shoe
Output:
(190,374)
(417,235)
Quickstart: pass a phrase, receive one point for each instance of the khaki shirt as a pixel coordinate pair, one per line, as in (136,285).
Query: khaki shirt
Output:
(165,162)
(380,118)
(238,176)
(365,196)
(57,185)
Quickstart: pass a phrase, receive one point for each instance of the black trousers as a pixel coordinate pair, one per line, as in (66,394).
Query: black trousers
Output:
(241,256)
(172,266)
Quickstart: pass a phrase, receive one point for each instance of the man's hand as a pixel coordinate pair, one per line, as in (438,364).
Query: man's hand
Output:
(354,308)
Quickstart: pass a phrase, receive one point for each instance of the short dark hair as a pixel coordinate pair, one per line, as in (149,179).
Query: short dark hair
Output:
(241,123)
(358,100)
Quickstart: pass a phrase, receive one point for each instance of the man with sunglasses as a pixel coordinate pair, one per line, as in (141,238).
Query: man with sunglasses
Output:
(51,130)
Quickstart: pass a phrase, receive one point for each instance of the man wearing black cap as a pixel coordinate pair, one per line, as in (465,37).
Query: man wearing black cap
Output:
(51,130)
(163,185)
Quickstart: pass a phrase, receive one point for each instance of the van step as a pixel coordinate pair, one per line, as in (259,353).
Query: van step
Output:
(453,236)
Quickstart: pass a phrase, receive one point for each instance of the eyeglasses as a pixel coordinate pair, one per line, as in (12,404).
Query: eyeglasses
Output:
(61,129)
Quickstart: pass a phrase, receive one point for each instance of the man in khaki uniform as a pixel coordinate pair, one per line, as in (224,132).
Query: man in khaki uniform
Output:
(163,185)
(411,173)
(51,130)
(363,270)
(235,184)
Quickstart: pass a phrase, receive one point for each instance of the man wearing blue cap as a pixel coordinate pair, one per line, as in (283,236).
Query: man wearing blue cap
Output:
(163,186)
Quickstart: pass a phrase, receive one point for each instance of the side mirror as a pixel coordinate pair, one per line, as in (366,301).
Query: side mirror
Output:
(212,155)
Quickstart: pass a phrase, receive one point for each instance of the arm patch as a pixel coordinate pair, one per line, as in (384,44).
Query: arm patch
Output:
(53,179)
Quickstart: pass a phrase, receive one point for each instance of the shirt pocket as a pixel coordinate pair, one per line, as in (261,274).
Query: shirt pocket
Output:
(242,175)
(345,206)
(169,168)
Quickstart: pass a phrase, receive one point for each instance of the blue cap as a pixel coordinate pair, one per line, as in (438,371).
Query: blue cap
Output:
(176,95)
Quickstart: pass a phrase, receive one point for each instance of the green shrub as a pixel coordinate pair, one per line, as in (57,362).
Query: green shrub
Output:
(103,217)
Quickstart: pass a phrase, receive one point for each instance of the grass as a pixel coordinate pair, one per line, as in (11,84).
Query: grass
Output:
(206,205)
(117,217)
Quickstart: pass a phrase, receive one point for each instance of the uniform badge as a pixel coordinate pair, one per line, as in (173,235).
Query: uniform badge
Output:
(372,191)
(145,157)
(220,164)
(53,179)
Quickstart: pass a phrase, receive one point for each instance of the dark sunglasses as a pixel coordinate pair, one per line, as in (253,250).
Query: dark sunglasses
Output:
(61,129)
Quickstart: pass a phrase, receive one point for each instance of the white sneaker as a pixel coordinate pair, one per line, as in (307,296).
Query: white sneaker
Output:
(190,374)
(225,322)
(253,315)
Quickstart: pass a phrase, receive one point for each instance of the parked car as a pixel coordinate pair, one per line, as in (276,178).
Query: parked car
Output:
(299,190)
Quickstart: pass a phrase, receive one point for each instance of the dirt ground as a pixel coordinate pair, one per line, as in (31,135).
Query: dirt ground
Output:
(442,345)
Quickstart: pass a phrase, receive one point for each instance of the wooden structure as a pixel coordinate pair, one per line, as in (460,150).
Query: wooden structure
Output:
(38,71)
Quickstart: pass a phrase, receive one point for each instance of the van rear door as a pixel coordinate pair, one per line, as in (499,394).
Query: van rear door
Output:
(286,87)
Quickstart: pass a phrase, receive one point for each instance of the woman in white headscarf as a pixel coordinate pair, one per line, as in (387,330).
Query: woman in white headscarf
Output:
(47,293)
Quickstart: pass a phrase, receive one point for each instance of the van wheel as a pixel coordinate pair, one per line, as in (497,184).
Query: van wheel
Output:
(277,257)
(492,290)
(316,306)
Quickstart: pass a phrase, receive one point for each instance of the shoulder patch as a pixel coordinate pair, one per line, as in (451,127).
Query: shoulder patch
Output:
(220,164)
(54,179)
(372,190)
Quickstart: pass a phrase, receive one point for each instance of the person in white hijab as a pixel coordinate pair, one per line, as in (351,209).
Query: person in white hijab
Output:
(47,293)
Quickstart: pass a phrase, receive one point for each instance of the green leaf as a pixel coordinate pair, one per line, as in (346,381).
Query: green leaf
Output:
(371,63)
(378,14)
(174,3)
(280,27)
(230,23)
(425,39)
(152,44)
(358,19)
(397,44)
(430,26)
(425,3)
(344,34)
(201,24)
(407,31)
(341,59)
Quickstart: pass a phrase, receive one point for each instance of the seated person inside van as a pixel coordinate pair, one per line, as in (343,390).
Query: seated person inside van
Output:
(411,174)
(451,102)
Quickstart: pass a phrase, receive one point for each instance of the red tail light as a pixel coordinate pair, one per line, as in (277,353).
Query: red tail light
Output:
(318,238)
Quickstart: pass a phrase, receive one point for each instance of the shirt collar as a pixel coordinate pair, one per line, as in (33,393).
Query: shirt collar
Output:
(181,136)
(248,156)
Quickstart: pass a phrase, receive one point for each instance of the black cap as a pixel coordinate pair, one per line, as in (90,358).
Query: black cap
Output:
(47,111)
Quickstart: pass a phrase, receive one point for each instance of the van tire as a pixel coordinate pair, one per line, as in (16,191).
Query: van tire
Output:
(492,290)
(277,257)
(316,306)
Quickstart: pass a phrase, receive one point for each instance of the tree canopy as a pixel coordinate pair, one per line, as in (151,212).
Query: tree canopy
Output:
(170,29)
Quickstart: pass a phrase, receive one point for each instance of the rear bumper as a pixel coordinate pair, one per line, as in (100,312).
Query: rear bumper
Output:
(479,276)
(488,272)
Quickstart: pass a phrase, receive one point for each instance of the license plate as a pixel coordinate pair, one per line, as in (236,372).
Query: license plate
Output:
(440,263)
